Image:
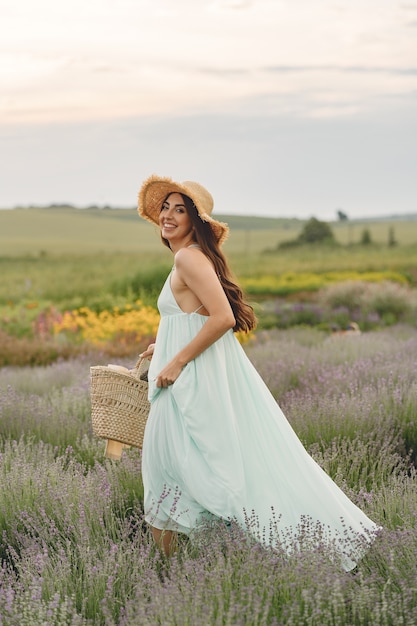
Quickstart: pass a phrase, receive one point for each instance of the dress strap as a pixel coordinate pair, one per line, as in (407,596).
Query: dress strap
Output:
(200,307)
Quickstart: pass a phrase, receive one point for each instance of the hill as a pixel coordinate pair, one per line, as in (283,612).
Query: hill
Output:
(65,229)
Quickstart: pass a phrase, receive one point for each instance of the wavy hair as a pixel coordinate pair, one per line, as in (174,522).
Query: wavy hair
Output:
(203,236)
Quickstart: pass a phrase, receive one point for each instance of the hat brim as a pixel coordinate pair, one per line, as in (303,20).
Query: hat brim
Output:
(156,188)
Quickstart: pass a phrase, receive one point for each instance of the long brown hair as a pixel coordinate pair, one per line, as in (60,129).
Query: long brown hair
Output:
(204,237)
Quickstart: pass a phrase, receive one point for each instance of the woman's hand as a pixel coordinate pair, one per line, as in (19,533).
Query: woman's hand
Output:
(168,375)
(147,354)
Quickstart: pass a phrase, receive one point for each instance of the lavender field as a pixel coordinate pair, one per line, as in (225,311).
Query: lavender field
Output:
(75,550)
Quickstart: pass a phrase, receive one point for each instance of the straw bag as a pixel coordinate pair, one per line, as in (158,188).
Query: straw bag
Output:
(119,402)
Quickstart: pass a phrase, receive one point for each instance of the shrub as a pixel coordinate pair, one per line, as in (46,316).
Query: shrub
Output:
(313,232)
(130,324)
(385,302)
(282,314)
(371,305)
(37,351)
(366,238)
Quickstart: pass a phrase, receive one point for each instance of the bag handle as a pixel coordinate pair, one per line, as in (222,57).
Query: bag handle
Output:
(141,369)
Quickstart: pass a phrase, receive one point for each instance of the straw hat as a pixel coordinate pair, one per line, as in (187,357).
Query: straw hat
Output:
(156,188)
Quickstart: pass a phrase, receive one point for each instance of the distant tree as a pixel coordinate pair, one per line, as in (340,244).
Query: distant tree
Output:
(315,231)
(366,238)
(342,217)
(391,237)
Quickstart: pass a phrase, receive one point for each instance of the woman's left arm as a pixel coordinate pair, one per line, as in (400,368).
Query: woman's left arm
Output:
(196,271)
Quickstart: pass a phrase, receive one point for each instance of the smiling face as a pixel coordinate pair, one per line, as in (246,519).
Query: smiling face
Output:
(175,223)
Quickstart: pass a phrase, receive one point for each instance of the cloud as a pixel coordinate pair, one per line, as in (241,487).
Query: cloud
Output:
(353,69)
(227,72)
(231,4)
(408,6)
(107,69)
(90,60)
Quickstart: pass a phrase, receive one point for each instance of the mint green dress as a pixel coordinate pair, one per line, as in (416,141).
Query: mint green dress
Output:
(217,445)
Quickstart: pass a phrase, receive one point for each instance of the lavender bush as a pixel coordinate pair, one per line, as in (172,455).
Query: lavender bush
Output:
(371,305)
(74,547)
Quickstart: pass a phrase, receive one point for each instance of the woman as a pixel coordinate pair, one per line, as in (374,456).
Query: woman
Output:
(216,444)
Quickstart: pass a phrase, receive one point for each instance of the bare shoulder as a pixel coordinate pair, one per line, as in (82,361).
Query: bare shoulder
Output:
(193,266)
(190,257)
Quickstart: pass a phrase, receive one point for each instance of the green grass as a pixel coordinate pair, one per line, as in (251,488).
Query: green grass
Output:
(69,252)
(38,231)
(78,278)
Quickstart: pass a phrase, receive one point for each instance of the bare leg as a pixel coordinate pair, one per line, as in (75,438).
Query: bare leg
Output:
(166,540)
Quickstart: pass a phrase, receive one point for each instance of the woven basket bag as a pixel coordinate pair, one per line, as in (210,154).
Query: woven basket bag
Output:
(119,403)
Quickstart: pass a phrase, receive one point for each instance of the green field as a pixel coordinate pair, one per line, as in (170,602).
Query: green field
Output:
(75,256)
(39,231)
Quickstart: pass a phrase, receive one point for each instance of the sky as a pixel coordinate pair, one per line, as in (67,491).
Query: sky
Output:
(282,108)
